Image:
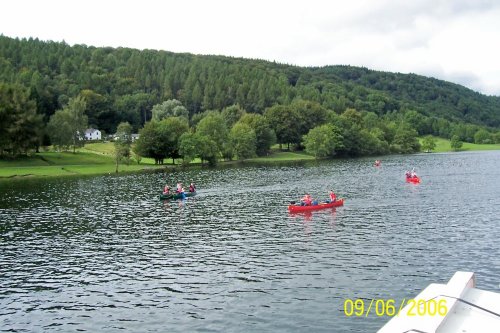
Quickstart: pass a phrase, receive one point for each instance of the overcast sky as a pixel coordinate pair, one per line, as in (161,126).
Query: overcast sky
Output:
(458,41)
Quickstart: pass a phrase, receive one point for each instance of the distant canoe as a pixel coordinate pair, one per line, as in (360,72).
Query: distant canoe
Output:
(414,180)
(298,209)
(175,196)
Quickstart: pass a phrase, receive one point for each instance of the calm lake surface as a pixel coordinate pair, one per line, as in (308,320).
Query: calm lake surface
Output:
(103,254)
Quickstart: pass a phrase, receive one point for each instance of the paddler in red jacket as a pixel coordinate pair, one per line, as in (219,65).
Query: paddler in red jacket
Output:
(306,200)
(333,197)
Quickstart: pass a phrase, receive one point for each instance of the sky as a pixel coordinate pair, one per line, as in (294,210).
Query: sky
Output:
(452,40)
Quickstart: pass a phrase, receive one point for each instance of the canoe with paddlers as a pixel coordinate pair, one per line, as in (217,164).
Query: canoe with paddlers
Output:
(300,208)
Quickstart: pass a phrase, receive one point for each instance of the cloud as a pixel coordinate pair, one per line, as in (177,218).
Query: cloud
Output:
(451,39)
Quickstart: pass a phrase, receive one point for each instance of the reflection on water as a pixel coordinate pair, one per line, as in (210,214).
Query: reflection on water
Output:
(306,218)
(104,254)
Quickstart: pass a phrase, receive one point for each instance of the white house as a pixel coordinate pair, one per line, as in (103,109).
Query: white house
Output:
(92,134)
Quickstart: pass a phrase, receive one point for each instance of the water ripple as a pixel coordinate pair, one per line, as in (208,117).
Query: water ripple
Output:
(104,254)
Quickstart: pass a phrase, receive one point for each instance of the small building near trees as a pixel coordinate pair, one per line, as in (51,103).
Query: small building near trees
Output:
(92,134)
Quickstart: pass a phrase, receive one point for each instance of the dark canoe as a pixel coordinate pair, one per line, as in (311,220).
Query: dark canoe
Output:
(297,209)
(176,195)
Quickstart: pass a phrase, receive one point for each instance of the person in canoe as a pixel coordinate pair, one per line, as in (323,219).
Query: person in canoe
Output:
(179,187)
(332,197)
(408,174)
(166,190)
(192,187)
(306,200)
(413,174)
(377,163)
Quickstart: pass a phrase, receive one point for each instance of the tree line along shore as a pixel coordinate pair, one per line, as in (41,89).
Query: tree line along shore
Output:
(98,159)
(188,109)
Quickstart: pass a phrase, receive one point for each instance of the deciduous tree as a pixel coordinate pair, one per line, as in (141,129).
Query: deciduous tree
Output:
(67,126)
(286,123)
(455,143)
(428,143)
(323,141)
(264,134)
(214,127)
(170,108)
(123,141)
(243,140)
(171,129)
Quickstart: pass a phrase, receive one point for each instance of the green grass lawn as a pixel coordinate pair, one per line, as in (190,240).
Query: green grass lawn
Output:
(108,149)
(104,148)
(97,158)
(23,162)
(79,158)
(473,146)
(83,162)
(443,145)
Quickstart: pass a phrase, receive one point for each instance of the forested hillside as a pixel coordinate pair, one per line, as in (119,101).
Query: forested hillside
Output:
(429,96)
(360,110)
(123,84)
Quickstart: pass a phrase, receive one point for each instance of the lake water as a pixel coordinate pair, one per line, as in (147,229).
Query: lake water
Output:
(103,254)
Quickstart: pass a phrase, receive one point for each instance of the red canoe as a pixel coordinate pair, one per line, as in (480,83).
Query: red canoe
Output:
(414,180)
(298,209)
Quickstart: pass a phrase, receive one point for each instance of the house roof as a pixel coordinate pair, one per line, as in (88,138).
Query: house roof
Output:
(91,130)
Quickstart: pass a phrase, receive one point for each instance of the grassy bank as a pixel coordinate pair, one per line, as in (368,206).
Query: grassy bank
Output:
(97,158)
(50,164)
(443,145)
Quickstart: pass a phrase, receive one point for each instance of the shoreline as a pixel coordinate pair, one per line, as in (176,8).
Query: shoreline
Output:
(17,171)
(56,164)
